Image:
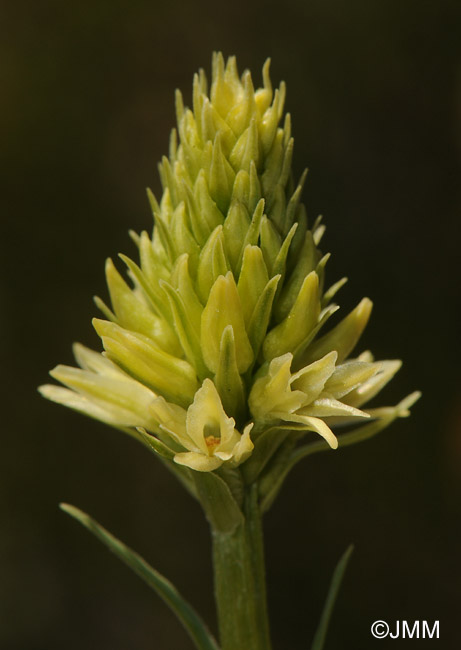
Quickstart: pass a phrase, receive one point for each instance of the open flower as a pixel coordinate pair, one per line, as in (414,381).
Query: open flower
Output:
(204,430)
(319,393)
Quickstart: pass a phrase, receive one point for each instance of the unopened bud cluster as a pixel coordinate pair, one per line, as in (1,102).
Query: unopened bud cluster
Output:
(218,337)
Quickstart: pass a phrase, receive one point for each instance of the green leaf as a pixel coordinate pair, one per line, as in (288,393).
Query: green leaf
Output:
(338,574)
(232,477)
(194,625)
(221,509)
(155,445)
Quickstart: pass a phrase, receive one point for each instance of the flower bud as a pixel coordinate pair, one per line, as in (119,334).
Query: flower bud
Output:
(219,333)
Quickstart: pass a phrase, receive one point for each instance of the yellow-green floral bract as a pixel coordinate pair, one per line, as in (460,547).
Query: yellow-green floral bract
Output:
(219,335)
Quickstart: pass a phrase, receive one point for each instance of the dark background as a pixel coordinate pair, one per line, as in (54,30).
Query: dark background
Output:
(374,88)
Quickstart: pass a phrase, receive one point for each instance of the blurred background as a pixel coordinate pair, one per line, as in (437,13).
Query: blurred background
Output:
(87,103)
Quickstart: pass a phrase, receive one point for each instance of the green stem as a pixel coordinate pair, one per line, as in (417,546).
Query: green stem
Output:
(240,584)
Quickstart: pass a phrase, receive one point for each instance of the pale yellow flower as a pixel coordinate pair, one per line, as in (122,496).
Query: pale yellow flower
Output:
(320,393)
(204,430)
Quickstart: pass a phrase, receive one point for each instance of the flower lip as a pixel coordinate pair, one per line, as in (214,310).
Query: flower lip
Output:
(205,433)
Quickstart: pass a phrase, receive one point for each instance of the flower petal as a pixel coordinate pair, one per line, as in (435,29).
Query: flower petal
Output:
(273,392)
(172,419)
(244,447)
(198,462)
(97,362)
(348,376)
(328,406)
(126,400)
(313,424)
(370,388)
(311,379)
(206,416)
(143,360)
(94,408)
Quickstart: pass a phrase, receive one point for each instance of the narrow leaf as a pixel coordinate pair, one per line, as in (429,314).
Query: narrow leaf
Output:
(194,625)
(338,574)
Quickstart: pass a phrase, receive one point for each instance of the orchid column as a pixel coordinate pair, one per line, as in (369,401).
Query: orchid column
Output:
(214,355)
